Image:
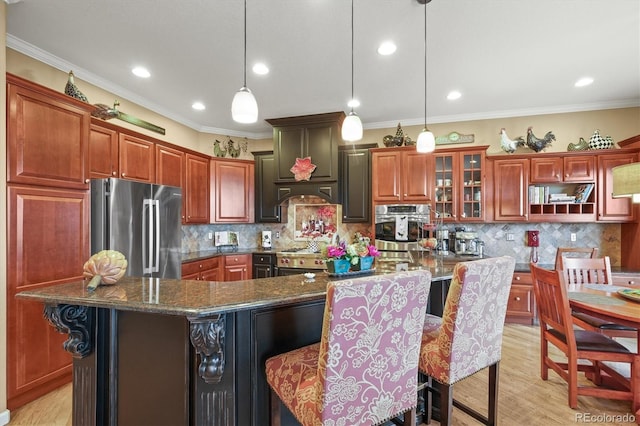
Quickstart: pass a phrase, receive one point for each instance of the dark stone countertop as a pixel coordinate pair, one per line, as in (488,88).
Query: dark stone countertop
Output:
(196,298)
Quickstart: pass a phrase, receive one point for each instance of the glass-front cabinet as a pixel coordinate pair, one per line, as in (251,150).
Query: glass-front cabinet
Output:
(459,179)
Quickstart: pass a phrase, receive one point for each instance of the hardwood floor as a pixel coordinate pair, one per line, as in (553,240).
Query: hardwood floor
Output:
(524,398)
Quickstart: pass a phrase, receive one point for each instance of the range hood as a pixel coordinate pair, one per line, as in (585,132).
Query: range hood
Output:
(316,137)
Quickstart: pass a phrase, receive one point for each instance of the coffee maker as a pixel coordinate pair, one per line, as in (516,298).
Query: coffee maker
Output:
(466,243)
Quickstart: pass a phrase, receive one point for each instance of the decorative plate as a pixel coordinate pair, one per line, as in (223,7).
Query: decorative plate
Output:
(350,273)
(630,293)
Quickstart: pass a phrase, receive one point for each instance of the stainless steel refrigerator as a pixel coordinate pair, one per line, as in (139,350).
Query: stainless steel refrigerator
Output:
(142,221)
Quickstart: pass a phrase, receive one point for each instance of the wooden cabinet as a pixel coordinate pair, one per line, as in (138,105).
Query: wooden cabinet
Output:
(563,169)
(316,136)
(355,184)
(237,267)
(170,166)
(232,191)
(521,305)
(103,152)
(203,269)
(196,193)
(400,175)
(47,136)
(263,265)
(267,208)
(510,182)
(625,279)
(48,242)
(613,209)
(137,158)
(459,181)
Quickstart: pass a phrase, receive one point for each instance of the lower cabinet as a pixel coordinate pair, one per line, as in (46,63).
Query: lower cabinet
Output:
(202,270)
(263,265)
(237,267)
(521,306)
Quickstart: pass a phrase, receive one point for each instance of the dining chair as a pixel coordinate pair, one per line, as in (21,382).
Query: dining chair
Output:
(556,328)
(468,337)
(364,371)
(574,252)
(592,271)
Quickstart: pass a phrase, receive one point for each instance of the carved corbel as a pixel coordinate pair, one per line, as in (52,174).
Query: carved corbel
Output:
(207,336)
(77,322)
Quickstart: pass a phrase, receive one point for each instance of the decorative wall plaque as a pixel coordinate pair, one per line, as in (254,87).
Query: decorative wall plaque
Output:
(454,137)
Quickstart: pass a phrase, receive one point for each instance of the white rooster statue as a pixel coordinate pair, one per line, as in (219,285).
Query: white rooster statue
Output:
(509,145)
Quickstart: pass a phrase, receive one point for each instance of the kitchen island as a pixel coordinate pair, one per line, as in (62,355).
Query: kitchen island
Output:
(167,352)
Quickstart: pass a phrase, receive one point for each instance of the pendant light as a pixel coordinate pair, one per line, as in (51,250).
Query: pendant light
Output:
(244,108)
(426,141)
(352,126)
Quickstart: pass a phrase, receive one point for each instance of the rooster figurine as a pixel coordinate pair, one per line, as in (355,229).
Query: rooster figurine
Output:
(509,145)
(232,150)
(217,150)
(538,144)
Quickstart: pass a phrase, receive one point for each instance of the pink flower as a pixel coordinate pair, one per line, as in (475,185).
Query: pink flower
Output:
(303,168)
(336,252)
(373,251)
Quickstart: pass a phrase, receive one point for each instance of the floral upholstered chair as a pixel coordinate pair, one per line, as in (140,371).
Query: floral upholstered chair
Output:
(364,371)
(468,337)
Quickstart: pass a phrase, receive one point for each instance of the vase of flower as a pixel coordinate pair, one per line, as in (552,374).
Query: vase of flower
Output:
(338,266)
(366,263)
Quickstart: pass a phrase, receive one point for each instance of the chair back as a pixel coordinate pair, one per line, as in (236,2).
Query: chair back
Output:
(574,252)
(368,360)
(587,271)
(552,301)
(470,337)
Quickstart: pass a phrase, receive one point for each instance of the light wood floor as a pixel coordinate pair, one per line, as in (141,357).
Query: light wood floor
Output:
(524,398)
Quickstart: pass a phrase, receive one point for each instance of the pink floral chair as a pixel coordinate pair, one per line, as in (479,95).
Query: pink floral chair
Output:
(364,371)
(468,337)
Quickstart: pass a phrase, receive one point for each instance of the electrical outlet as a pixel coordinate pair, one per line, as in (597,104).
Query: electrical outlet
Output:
(509,237)
(277,234)
(573,236)
(210,235)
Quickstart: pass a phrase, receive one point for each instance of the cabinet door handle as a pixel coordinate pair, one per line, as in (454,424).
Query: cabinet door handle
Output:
(517,278)
(114,173)
(87,180)
(123,175)
(518,299)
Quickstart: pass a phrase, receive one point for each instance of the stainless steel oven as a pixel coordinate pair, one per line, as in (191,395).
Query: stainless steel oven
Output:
(401,225)
(299,261)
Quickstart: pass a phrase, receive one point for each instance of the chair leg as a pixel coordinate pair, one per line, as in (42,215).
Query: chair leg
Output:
(275,408)
(428,400)
(544,353)
(572,370)
(492,416)
(410,418)
(446,404)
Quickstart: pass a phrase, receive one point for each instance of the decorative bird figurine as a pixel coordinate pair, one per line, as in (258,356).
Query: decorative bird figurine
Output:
(509,145)
(583,145)
(218,150)
(538,144)
(232,150)
(72,90)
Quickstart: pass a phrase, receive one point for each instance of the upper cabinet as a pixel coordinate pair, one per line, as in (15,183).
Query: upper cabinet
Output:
(510,182)
(47,136)
(563,169)
(196,190)
(458,179)
(613,209)
(103,152)
(355,183)
(400,175)
(267,208)
(232,191)
(316,136)
(170,166)
(137,158)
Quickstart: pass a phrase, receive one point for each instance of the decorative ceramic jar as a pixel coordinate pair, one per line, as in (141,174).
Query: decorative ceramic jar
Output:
(598,142)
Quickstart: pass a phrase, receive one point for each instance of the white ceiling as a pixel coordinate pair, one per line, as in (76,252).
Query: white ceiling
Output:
(507,57)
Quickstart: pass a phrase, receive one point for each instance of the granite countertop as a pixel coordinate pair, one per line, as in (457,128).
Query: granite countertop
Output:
(195,298)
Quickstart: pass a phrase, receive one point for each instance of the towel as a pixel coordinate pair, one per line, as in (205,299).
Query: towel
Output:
(402,228)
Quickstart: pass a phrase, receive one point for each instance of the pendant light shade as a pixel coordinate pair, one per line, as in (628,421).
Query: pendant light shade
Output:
(352,126)
(244,107)
(426,141)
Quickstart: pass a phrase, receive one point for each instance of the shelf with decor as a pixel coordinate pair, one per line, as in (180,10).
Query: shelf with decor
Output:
(563,202)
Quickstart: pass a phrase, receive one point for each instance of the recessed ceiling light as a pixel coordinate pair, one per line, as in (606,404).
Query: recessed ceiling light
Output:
(387,48)
(260,69)
(141,72)
(199,106)
(584,81)
(353,103)
(453,95)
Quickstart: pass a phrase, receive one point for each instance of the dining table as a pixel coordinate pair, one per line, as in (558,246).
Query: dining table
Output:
(615,304)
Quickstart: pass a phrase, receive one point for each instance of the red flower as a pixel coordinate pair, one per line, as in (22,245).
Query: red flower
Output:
(303,168)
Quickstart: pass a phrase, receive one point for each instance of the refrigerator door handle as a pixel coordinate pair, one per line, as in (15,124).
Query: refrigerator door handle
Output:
(156,265)
(147,235)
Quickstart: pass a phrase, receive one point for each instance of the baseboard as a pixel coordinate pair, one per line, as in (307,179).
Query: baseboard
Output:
(4,417)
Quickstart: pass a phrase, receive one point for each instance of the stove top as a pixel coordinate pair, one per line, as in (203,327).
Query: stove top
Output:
(300,258)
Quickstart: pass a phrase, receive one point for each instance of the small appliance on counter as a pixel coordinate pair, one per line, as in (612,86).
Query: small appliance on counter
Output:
(466,242)
(266,240)
(226,240)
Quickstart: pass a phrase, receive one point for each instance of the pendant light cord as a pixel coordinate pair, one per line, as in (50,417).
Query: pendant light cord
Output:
(245,45)
(425,65)
(351,54)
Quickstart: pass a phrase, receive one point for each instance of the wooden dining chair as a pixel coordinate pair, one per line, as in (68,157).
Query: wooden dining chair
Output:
(468,337)
(592,271)
(364,371)
(556,328)
(574,252)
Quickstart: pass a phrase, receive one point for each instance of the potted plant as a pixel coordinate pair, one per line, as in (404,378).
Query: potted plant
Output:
(342,257)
